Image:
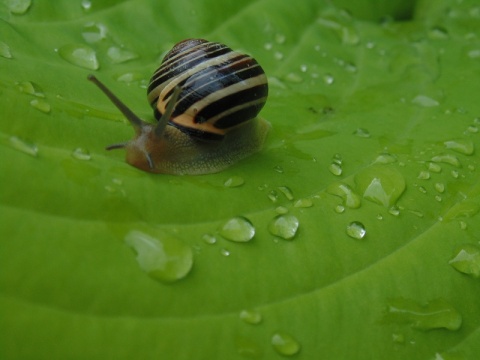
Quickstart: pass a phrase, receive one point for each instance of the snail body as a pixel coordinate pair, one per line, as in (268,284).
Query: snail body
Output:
(206,99)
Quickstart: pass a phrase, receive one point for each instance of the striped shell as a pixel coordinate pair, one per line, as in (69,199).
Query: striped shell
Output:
(220,88)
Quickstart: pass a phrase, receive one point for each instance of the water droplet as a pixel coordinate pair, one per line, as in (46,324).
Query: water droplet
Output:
(394,210)
(417,213)
(398,338)
(356,230)
(86,5)
(381,184)
(455,174)
(5,50)
(303,203)
(284,226)
(130,77)
(23,146)
(438,198)
(234,181)
(440,187)
(328,79)
(361,132)
(339,209)
(94,32)
(81,154)
(423,175)
(385,159)
(293,78)
(80,55)
(379,217)
(251,317)
(273,196)
(278,55)
(41,105)
(268,46)
(280,38)
(436,314)
(18,7)
(467,260)
(350,198)
(285,344)
(238,229)
(466,208)
(164,258)
(278,169)
(461,146)
(433,167)
(425,101)
(225,252)
(209,239)
(118,55)
(303,68)
(422,189)
(248,348)
(30,88)
(286,191)
(472,129)
(281,210)
(335,169)
(438,33)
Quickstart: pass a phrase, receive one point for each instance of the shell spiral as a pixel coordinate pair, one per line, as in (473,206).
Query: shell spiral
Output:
(220,88)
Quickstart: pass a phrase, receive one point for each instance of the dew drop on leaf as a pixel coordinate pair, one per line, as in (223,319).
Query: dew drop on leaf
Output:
(303,203)
(209,239)
(350,198)
(285,344)
(41,105)
(423,175)
(425,101)
(23,146)
(356,230)
(385,159)
(81,154)
(86,5)
(335,169)
(293,78)
(436,314)
(5,50)
(225,252)
(273,195)
(284,226)
(18,7)
(163,258)
(447,159)
(281,210)
(118,55)
(238,229)
(28,87)
(440,187)
(467,260)
(286,191)
(339,209)
(434,167)
(80,55)
(251,317)
(361,132)
(234,181)
(328,79)
(94,32)
(461,146)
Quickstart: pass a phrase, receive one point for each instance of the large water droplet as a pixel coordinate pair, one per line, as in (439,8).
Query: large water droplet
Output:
(284,226)
(80,55)
(461,146)
(350,198)
(238,229)
(23,146)
(356,230)
(467,260)
(118,55)
(251,317)
(41,105)
(163,258)
(18,7)
(425,101)
(234,181)
(436,314)
(447,159)
(285,344)
(5,50)
(381,184)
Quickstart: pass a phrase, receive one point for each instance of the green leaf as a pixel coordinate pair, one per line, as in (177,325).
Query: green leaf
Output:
(375,130)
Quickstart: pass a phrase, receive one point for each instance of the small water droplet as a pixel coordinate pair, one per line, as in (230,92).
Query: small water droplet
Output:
(335,169)
(41,105)
(238,229)
(461,146)
(225,252)
(433,167)
(268,46)
(303,203)
(251,317)
(436,314)
(273,195)
(438,33)
(455,174)
(303,68)
(81,154)
(118,55)
(5,50)
(422,189)
(440,187)
(417,213)
(281,210)
(209,239)
(467,260)
(328,79)
(339,209)
(463,225)
(18,7)
(350,198)
(361,132)
(94,32)
(278,169)
(86,5)
(293,78)
(394,210)
(278,55)
(23,146)
(80,55)
(423,175)
(356,230)
(284,226)
(27,87)
(425,101)
(234,181)
(438,198)
(381,184)
(351,67)
(285,344)
(163,258)
(472,129)
(385,159)
(280,38)
(286,191)
(379,217)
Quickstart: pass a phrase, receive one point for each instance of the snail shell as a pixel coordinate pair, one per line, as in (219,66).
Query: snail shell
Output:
(206,99)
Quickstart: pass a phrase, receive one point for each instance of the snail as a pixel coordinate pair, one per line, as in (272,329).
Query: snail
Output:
(206,99)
